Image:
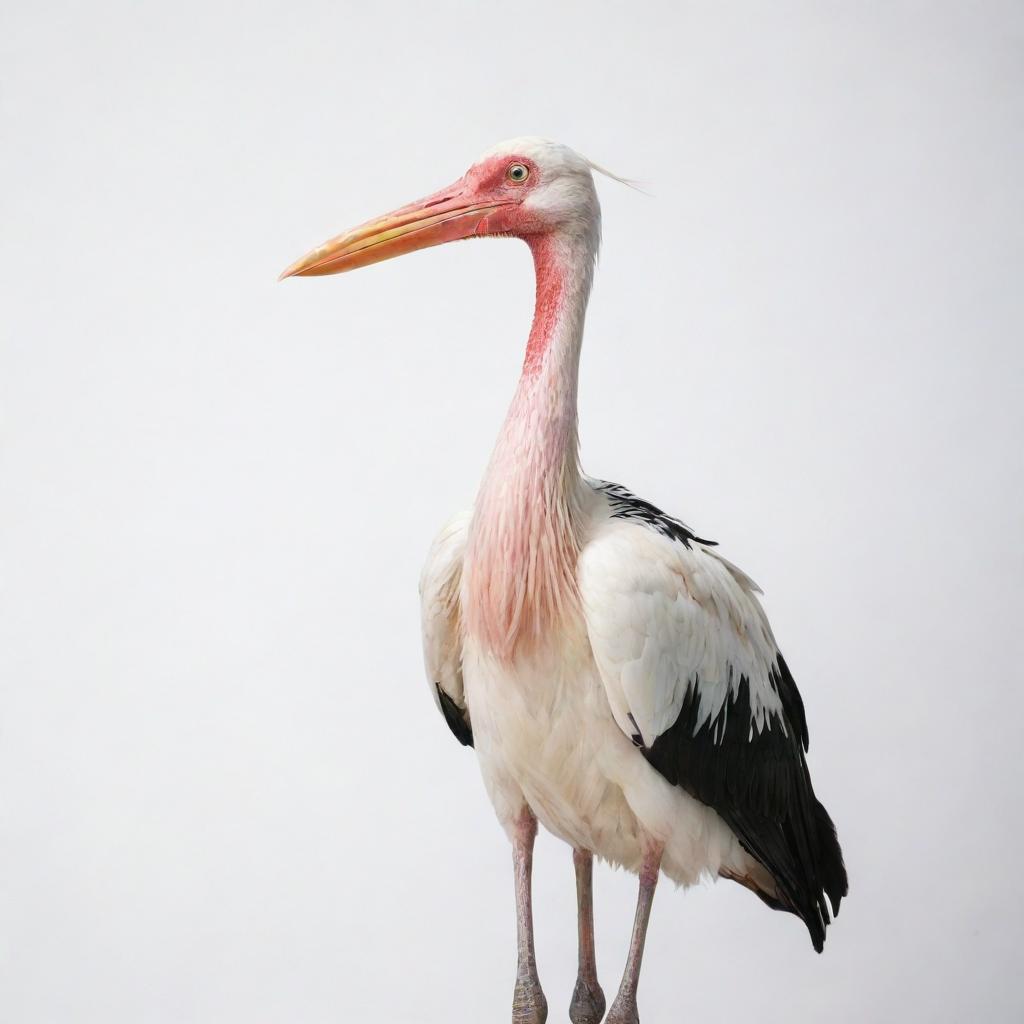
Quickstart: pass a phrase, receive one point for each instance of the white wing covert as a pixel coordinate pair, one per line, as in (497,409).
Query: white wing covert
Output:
(665,619)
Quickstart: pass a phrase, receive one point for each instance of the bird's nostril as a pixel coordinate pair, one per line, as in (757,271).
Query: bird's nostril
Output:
(434,202)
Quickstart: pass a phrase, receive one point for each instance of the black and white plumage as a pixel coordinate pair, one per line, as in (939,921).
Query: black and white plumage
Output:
(750,769)
(698,686)
(616,676)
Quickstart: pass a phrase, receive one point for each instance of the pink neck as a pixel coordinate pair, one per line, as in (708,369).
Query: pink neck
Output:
(524,542)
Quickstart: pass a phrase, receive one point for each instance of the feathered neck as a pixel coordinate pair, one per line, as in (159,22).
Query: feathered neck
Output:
(520,573)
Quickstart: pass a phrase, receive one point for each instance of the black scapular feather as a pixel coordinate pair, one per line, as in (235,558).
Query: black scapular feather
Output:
(759,783)
(624,504)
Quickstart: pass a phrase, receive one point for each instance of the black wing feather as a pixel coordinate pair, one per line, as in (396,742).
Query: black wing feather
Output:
(456,718)
(759,784)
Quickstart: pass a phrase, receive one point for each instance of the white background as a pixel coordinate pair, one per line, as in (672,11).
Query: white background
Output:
(225,795)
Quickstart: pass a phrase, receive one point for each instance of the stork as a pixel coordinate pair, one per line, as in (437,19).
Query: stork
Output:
(616,676)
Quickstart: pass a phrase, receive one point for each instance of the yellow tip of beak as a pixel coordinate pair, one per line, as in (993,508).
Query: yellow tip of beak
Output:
(300,265)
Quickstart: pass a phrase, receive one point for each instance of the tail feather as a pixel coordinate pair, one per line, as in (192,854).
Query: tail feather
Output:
(831,869)
(809,883)
(824,883)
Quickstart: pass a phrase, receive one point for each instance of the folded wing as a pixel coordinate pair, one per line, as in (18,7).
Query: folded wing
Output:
(440,583)
(694,677)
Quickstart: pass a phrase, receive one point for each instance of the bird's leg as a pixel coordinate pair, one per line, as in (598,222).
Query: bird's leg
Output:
(624,1009)
(587,1006)
(528,1003)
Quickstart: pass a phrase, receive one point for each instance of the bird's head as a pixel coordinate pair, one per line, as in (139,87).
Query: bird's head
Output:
(526,188)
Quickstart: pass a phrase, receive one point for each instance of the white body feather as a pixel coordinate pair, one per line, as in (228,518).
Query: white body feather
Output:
(552,727)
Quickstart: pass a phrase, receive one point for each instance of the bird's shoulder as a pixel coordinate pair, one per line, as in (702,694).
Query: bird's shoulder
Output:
(632,545)
(672,623)
(444,558)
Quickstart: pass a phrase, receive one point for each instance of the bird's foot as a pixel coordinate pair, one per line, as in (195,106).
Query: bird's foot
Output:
(587,1006)
(528,1003)
(623,1010)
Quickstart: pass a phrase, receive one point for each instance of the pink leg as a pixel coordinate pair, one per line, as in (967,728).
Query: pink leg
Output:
(624,1009)
(528,1003)
(587,1006)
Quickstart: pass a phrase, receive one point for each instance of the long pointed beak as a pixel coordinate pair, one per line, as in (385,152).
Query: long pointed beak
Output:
(443,217)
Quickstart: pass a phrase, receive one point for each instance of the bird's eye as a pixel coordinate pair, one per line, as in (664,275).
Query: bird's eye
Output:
(518,173)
